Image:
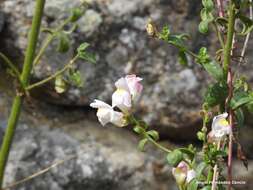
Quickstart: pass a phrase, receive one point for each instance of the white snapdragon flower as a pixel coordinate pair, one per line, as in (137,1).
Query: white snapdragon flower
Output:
(106,114)
(128,90)
(122,97)
(134,85)
(183,174)
(220,127)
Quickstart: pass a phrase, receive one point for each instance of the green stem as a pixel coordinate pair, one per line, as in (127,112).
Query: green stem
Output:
(218,33)
(135,122)
(16,107)
(192,54)
(54,75)
(158,145)
(48,40)
(210,175)
(229,40)
(10,65)
(228,73)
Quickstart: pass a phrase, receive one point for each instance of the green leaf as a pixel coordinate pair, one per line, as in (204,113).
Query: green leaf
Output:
(83,47)
(139,130)
(75,78)
(82,54)
(216,94)
(193,185)
(203,26)
(174,157)
(88,57)
(216,153)
(215,70)
(207,16)
(208,4)
(178,40)
(223,22)
(241,97)
(203,56)
(142,144)
(182,58)
(64,43)
(76,13)
(153,134)
(201,136)
(247,24)
(190,153)
(239,117)
(234,104)
(200,168)
(164,35)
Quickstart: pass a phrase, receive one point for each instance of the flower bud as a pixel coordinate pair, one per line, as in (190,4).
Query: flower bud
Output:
(151,28)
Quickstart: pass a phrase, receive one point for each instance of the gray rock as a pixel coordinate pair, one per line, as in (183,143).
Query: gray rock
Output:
(172,94)
(90,22)
(58,8)
(96,166)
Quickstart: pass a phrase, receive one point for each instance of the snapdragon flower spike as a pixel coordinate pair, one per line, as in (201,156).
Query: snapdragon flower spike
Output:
(220,127)
(183,174)
(106,114)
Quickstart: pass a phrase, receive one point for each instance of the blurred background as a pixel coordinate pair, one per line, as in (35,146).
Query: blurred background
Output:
(55,126)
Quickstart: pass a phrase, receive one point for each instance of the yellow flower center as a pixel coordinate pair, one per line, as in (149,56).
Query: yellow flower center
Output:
(120,91)
(223,122)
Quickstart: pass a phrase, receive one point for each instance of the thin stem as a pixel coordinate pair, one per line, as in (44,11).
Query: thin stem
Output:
(54,75)
(16,107)
(231,122)
(10,65)
(209,174)
(159,145)
(215,170)
(39,173)
(191,53)
(135,122)
(229,39)
(245,45)
(48,40)
(228,72)
(219,35)
(220,8)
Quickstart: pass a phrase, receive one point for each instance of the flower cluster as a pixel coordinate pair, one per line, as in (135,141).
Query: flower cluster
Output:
(128,89)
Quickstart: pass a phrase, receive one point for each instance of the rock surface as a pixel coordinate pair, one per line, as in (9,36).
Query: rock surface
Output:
(116,31)
(94,167)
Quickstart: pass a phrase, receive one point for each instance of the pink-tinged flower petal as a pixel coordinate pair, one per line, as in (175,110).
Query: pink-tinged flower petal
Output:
(122,99)
(117,118)
(191,174)
(220,126)
(183,166)
(122,84)
(134,85)
(99,104)
(179,175)
(182,173)
(104,115)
